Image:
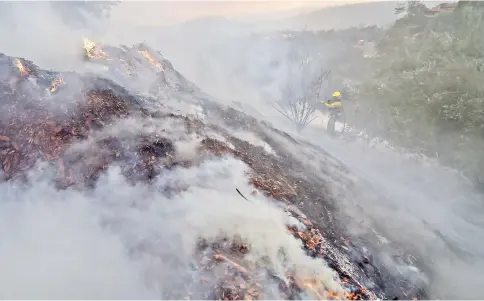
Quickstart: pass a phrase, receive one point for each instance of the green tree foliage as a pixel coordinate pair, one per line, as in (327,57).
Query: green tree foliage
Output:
(426,89)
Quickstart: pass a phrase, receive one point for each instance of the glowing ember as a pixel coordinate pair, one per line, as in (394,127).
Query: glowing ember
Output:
(312,287)
(315,286)
(150,59)
(351,296)
(54,86)
(93,51)
(21,68)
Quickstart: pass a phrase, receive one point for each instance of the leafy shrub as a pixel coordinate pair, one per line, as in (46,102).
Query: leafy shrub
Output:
(426,88)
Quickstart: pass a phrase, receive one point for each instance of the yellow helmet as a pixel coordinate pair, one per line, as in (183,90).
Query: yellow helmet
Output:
(337,94)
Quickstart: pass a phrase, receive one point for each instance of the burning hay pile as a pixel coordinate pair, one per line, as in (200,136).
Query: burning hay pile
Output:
(82,126)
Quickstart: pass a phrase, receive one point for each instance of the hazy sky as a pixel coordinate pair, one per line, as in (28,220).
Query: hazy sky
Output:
(172,12)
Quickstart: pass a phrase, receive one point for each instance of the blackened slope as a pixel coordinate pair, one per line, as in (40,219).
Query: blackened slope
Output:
(309,189)
(45,135)
(313,198)
(39,124)
(52,137)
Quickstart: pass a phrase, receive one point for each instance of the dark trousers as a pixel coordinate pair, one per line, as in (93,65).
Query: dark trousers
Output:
(334,115)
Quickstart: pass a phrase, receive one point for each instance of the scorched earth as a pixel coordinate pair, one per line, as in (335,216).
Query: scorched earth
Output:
(135,175)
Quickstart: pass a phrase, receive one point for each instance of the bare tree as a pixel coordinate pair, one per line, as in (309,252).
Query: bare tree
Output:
(301,91)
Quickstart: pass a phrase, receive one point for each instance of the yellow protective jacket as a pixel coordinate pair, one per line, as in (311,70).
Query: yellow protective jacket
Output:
(333,105)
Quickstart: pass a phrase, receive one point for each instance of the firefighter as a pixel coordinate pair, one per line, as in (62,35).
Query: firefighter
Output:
(335,108)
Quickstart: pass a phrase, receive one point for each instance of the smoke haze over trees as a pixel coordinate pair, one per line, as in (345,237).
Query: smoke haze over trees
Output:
(420,89)
(425,90)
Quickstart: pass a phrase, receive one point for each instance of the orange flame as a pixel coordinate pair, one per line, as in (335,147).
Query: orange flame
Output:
(58,81)
(150,59)
(310,285)
(21,68)
(318,289)
(93,51)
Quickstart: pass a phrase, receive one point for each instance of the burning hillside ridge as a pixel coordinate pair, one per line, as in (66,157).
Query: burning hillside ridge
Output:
(200,212)
(135,66)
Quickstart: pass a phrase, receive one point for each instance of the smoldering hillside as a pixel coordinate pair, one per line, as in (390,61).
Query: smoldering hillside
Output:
(147,184)
(423,207)
(118,179)
(110,192)
(130,161)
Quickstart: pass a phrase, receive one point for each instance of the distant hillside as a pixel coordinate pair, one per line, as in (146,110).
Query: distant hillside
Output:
(274,16)
(214,26)
(342,16)
(332,17)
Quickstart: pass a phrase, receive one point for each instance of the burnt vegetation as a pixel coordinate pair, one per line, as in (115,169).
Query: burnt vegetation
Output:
(46,115)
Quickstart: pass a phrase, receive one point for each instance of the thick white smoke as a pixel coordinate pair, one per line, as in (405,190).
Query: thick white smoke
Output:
(122,241)
(54,247)
(110,242)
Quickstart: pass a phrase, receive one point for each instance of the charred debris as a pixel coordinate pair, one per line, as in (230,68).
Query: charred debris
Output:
(44,113)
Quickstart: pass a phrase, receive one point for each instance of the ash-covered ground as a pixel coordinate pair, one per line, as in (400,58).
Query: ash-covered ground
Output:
(130,182)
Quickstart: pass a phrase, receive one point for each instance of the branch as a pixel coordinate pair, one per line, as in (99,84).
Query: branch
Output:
(295,109)
(324,75)
(308,114)
(232,263)
(282,113)
(312,119)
